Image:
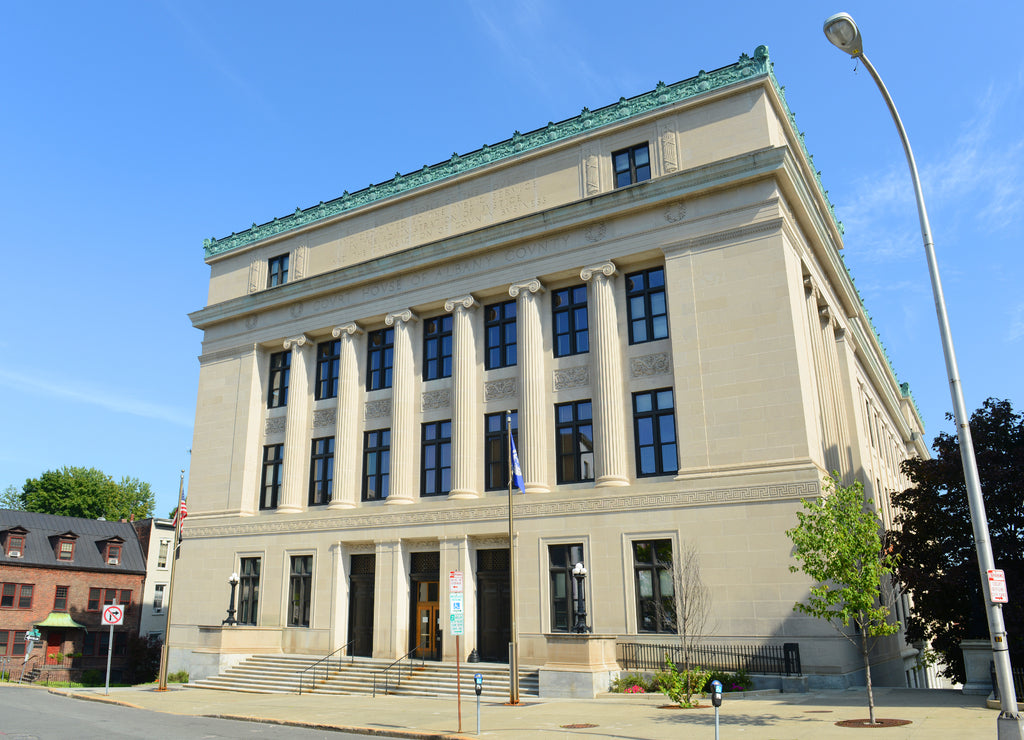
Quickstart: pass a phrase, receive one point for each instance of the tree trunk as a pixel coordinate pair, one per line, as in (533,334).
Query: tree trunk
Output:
(867,673)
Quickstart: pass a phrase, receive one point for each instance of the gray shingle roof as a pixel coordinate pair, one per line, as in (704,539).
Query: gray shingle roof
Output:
(43,533)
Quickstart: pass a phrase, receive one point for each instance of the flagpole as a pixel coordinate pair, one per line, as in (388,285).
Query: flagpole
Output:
(513,647)
(162,684)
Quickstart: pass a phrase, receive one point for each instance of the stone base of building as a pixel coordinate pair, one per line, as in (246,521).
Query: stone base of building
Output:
(578,666)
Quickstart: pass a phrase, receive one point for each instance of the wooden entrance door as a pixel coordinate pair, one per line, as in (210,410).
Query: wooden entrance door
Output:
(360,605)
(428,617)
(54,642)
(494,606)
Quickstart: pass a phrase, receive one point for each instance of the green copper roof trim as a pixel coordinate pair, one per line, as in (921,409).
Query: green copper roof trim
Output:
(60,620)
(745,69)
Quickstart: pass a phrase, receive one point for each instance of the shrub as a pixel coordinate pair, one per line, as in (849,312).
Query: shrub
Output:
(178,677)
(739,681)
(92,677)
(633,683)
(681,686)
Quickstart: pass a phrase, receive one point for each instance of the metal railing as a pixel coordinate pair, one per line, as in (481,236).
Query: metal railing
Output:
(777,659)
(325,664)
(1018,681)
(397,667)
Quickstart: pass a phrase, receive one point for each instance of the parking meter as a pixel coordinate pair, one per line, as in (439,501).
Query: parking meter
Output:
(716,693)
(478,683)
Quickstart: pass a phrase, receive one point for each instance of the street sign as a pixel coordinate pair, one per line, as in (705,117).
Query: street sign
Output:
(997,587)
(455,581)
(33,635)
(456,616)
(113,614)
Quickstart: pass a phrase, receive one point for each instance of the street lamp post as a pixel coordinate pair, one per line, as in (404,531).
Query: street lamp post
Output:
(842,32)
(579,572)
(231,621)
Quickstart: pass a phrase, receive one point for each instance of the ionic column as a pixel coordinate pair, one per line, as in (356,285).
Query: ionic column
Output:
(347,446)
(533,409)
(610,458)
(296,437)
(404,437)
(466,437)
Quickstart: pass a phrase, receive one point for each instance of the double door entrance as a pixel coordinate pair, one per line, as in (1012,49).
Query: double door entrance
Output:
(427,615)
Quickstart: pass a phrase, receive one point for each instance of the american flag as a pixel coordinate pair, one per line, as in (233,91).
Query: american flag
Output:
(182,512)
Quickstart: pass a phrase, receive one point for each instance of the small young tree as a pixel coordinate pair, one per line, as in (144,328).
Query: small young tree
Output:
(839,546)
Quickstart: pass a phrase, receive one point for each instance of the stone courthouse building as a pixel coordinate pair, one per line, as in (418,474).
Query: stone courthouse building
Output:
(653,289)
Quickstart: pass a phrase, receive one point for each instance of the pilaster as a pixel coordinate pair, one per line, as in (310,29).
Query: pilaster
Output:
(534,412)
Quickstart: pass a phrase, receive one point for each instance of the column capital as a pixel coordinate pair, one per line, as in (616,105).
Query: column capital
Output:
(605,268)
(300,341)
(351,329)
(404,316)
(532,286)
(467,302)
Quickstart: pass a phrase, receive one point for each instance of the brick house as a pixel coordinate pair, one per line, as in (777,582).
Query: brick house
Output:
(56,575)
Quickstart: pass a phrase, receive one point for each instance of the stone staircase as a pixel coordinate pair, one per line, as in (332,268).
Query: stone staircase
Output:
(282,674)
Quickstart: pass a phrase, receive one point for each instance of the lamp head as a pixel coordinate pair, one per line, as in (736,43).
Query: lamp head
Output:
(579,569)
(233,578)
(841,30)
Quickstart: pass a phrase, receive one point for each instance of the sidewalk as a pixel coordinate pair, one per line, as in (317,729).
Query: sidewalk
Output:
(932,713)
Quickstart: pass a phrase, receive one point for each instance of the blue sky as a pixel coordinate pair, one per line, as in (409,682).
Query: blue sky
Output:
(131,131)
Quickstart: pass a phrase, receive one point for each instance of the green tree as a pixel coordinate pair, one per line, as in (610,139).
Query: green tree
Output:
(87,493)
(938,562)
(11,498)
(838,544)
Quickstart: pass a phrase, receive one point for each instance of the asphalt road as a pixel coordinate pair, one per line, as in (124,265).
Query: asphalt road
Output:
(34,714)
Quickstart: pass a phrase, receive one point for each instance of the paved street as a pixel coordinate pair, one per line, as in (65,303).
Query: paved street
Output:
(811,716)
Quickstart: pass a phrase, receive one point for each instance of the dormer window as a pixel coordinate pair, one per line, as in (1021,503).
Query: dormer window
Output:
(16,546)
(113,554)
(66,550)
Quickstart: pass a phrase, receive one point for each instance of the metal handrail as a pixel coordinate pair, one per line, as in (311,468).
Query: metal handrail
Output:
(327,666)
(393,664)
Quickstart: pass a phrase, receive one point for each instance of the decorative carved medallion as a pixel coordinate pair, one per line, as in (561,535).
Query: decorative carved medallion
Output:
(657,364)
(571,377)
(250,322)
(596,232)
(495,390)
(675,212)
(437,399)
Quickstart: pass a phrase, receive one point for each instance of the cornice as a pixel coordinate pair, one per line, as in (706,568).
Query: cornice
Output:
(746,68)
(389,518)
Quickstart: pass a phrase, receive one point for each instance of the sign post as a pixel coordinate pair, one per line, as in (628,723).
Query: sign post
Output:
(456,626)
(112,614)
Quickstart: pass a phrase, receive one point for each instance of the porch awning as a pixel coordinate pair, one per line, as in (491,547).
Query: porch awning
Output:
(60,620)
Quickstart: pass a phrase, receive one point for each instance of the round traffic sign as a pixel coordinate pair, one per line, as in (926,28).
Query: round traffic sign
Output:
(113,614)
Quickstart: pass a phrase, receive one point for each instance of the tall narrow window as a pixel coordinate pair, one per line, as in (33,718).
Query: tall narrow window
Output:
(654,427)
(645,302)
(95,598)
(436,479)
(500,334)
(273,460)
(280,367)
(161,558)
(321,471)
(248,590)
(437,347)
(632,165)
(569,320)
(574,441)
(655,589)
(328,358)
(158,597)
(60,599)
(496,450)
(380,349)
(562,559)
(299,590)
(277,270)
(376,464)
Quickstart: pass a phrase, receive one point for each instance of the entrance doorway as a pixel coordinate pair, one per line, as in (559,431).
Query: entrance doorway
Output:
(54,642)
(428,620)
(360,605)
(494,607)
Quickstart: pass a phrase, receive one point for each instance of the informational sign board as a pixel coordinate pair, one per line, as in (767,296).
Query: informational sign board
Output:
(113,614)
(455,581)
(456,616)
(997,587)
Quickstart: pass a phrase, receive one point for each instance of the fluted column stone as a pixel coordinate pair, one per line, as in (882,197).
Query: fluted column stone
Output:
(347,445)
(610,458)
(404,481)
(466,437)
(533,411)
(296,432)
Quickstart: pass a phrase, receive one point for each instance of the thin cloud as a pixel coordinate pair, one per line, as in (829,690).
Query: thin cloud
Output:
(104,398)
(1015,331)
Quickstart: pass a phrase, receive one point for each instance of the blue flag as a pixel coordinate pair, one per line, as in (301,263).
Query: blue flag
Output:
(517,473)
